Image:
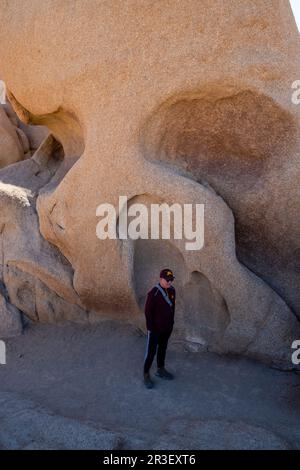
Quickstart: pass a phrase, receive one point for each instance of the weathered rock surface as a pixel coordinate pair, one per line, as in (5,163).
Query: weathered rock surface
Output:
(72,377)
(17,140)
(10,317)
(37,276)
(218,435)
(27,426)
(161,102)
(2,92)
(11,150)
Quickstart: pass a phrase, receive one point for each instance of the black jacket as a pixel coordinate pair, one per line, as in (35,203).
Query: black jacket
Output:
(159,314)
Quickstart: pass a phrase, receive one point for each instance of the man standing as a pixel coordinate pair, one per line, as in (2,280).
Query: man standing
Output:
(159,312)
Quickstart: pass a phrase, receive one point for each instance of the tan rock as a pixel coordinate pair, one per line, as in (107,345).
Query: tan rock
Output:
(9,110)
(186,102)
(35,135)
(10,317)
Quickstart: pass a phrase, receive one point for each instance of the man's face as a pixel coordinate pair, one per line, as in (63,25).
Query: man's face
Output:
(164,283)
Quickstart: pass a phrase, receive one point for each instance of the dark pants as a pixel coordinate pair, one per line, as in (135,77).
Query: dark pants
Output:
(156,342)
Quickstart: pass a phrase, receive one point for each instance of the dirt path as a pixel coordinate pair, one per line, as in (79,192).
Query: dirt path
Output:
(81,387)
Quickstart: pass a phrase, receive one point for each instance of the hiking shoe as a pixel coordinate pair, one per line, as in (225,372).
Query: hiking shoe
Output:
(162,373)
(148,382)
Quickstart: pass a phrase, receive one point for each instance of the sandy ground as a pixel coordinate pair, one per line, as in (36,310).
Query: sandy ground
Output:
(80,387)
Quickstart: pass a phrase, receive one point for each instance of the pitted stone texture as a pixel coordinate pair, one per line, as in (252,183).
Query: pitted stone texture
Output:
(10,318)
(27,426)
(17,140)
(101,93)
(218,435)
(11,150)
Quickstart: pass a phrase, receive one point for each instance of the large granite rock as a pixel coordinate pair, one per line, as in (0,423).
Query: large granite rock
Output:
(17,140)
(11,149)
(29,426)
(10,317)
(162,102)
(2,92)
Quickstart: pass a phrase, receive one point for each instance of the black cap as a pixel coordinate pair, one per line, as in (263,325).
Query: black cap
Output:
(167,274)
